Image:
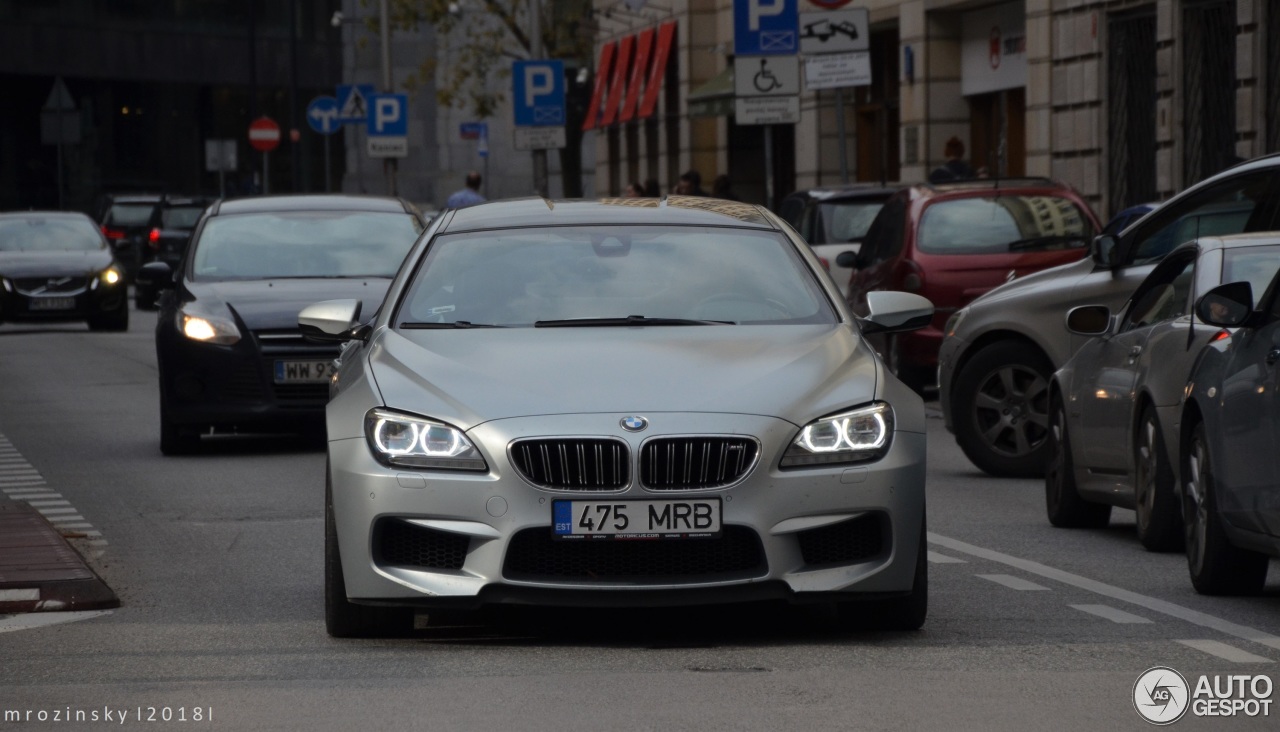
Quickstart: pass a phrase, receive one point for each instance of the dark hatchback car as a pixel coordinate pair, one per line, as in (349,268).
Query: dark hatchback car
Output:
(1229,432)
(56,266)
(952,243)
(230,355)
(167,242)
(127,222)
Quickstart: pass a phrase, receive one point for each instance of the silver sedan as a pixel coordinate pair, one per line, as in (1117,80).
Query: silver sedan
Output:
(621,403)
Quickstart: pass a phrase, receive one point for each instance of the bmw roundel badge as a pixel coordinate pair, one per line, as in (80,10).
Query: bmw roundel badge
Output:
(634,424)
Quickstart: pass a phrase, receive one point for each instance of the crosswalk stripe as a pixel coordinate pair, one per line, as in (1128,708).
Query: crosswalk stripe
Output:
(1111,613)
(1224,651)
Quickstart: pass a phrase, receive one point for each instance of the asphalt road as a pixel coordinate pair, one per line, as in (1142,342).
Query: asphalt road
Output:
(217,562)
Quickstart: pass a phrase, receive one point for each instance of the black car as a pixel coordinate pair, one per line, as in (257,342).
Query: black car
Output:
(168,241)
(127,222)
(56,266)
(835,219)
(230,355)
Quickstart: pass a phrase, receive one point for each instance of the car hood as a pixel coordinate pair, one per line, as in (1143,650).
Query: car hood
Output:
(53,264)
(468,377)
(1063,276)
(274,304)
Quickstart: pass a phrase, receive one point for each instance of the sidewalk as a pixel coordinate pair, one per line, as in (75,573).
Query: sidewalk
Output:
(39,571)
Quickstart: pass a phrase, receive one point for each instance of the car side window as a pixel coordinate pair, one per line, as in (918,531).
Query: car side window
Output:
(1164,295)
(884,238)
(1231,207)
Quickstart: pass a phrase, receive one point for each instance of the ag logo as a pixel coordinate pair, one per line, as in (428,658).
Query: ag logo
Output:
(1161,695)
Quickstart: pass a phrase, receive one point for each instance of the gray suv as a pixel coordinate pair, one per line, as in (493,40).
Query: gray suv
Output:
(998,352)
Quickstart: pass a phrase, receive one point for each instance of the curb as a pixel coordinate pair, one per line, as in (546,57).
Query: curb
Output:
(40,571)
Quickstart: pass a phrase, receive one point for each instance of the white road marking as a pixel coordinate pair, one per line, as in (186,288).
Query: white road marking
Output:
(1112,614)
(20,594)
(38,504)
(61,519)
(1224,651)
(1013,583)
(34,495)
(55,511)
(27,621)
(937,558)
(1116,593)
(22,491)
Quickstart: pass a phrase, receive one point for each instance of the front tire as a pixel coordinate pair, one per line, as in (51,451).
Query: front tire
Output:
(1001,409)
(1063,504)
(1217,566)
(343,618)
(1159,516)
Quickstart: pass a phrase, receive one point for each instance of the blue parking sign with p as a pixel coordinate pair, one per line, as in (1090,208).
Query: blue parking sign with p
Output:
(388,115)
(538,93)
(766,27)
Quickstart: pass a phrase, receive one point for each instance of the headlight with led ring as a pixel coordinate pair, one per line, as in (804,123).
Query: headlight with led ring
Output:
(857,436)
(415,442)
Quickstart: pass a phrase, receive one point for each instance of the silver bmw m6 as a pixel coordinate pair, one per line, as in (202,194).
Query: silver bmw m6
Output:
(625,402)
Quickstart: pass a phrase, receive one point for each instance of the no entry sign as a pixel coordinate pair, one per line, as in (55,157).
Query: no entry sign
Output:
(264,134)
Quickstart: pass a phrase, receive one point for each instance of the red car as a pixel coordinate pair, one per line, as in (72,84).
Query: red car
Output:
(954,242)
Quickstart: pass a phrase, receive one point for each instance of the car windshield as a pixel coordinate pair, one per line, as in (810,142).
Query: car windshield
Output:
(1000,224)
(303,244)
(844,221)
(1255,265)
(180,217)
(130,214)
(614,276)
(48,234)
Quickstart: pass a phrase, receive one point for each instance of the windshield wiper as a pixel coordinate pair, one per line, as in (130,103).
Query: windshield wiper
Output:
(454,324)
(1041,241)
(629,320)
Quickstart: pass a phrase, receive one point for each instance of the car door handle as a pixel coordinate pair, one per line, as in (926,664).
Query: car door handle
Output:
(1273,356)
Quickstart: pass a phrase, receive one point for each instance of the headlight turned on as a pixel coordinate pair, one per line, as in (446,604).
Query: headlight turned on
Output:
(857,436)
(208,328)
(110,276)
(415,442)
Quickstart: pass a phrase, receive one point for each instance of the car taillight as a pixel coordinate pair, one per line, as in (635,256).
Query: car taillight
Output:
(112,233)
(153,239)
(1221,335)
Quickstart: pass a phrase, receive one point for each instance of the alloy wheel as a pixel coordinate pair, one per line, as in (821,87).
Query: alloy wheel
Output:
(1197,505)
(1145,482)
(1011,410)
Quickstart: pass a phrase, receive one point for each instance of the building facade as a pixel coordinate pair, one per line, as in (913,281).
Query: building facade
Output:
(1128,101)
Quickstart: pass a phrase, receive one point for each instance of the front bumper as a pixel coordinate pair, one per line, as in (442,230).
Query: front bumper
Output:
(233,387)
(89,299)
(826,533)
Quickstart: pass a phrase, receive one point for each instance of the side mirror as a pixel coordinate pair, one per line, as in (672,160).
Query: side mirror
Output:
(1106,251)
(896,312)
(848,260)
(332,321)
(1089,320)
(158,275)
(1226,306)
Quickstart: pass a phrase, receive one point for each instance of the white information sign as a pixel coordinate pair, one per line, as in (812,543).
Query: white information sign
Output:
(993,49)
(388,147)
(835,31)
(540,138)
(837,70)
(761,76)
(767,110)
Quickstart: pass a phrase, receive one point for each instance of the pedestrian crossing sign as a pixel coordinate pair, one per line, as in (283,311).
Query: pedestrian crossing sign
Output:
(353,103)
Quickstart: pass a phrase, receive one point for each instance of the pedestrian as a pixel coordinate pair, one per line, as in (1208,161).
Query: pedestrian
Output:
(690,184)
(955,169)
(468,196)
(651,189)
(635,189)
(722,187)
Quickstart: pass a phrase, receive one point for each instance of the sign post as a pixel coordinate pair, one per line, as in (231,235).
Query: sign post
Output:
(766,37)
(538,96)
(836,45)
(264,136)
(323,117)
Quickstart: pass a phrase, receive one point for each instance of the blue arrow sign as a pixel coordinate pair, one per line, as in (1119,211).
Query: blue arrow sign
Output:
(322,115)
(538,92)
(766,27)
